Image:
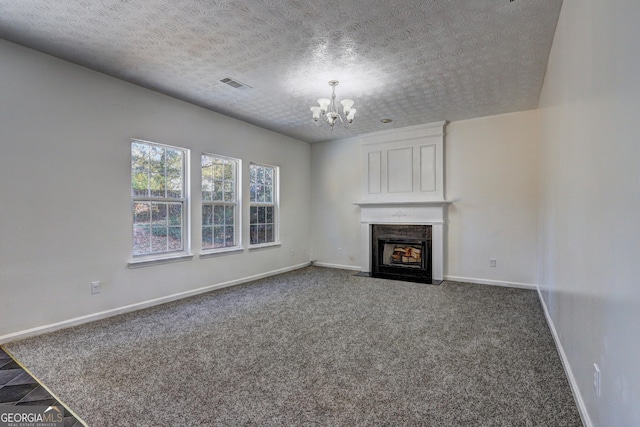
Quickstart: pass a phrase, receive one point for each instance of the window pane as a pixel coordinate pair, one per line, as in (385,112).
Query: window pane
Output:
(253,215)
(254,234)
(259,175)
(139,184)
(218,215)
(174,236)
(252,173)
(207,237)
(175,214)
(268,215)
(229,217)
(156,158)
(207,183)
(260,193)
(229,194)
(228,236)
(218,236)
(269,233)
(218,171)
(141,213)
(253,189)
(261,233)
(228,171)
(268,176)
(217,191)
(261,214)
(174,187)
(206,162)
(139,157)
(174,162)
(268,194)
(157,185)
(141,240)
(207,214)
(159,214)
(159,239)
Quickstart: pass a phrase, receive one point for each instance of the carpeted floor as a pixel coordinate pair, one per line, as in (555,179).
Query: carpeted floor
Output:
(314,347)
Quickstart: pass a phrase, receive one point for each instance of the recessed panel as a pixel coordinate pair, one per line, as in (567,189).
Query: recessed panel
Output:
(375,169)
(400,170)
(428,168)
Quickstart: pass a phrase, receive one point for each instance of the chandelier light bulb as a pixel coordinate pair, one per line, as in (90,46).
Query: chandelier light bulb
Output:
(346,106)
(324,104)
(316,113)
(352,114)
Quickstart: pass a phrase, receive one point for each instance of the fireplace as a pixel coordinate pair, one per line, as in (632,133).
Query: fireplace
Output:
(403,189)
(401,252)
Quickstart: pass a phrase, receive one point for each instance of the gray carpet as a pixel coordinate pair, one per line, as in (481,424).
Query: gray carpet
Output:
(314,347)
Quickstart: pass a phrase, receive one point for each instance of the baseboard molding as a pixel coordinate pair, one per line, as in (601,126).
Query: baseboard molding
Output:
(39,330)
(339,266)
(491,282)
(582,408)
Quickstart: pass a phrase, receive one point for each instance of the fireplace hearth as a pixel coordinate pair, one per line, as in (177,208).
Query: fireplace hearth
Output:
(401,252)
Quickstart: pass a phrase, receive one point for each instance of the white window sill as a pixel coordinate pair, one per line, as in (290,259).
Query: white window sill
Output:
(221,251)
(156,260)
(265,245)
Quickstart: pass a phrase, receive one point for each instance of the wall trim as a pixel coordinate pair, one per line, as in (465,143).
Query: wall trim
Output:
(491,282)
(338,266)
(577,396)
(39,330)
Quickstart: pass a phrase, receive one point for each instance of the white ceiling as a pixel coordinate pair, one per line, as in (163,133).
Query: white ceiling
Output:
(414,61)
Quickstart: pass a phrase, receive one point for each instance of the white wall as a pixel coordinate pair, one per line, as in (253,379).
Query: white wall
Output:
(336,184)
(65,183)
(589,237)
(490,174)
(491,178)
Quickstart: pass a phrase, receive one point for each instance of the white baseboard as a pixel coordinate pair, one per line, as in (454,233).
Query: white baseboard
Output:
(339,266)
(582,408)
(39,330)
(491,282)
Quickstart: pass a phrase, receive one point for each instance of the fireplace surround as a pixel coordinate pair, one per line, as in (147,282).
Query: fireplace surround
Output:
(430,214)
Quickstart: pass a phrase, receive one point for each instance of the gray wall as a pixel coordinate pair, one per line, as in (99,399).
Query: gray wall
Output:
(589,236)
(65,208)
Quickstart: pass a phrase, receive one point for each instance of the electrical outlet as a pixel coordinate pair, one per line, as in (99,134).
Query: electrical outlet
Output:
(293,252)
(96,287)
(596,379)
(492,263)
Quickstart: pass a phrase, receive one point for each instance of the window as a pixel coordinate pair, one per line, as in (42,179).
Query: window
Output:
(263,189)
(158,190)
(219,202)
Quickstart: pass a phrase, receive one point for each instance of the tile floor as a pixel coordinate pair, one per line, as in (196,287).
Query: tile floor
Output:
(18,388)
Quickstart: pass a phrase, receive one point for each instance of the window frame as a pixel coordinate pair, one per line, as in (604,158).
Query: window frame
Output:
(275,203)
(138,260)
(237,203)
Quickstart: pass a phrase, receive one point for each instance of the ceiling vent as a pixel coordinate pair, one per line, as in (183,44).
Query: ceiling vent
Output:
(234,83)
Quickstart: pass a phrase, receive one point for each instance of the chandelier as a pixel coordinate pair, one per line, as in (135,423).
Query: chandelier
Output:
(328,112)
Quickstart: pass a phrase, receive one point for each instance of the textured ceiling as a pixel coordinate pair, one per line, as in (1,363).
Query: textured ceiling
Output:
(414,61)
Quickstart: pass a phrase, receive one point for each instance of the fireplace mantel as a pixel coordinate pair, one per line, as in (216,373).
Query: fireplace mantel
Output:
(402,204)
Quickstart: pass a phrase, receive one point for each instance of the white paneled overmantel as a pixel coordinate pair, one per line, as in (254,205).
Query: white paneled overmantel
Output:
(404,165)
(403,183)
